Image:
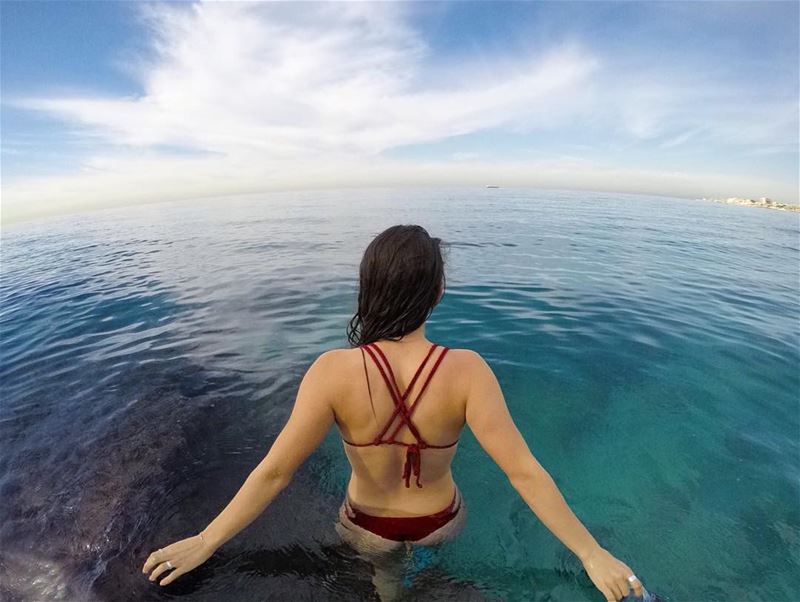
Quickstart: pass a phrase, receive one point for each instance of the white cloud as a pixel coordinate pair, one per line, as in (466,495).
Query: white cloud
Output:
(292,95)
(678,105)
(255,78)
(681,138)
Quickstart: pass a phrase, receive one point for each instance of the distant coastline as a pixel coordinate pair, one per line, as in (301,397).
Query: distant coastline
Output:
(761,202)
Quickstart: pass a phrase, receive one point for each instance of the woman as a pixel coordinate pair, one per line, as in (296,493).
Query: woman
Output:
(401,490)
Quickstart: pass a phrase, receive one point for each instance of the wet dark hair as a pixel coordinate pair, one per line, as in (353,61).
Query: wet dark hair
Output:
(400,278)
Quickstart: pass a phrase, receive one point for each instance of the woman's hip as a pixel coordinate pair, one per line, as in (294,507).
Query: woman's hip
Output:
(390,536)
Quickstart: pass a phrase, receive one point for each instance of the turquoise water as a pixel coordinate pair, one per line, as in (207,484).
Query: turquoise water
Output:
(647,348)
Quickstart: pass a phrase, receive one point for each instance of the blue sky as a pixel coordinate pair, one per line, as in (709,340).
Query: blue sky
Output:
(108,103)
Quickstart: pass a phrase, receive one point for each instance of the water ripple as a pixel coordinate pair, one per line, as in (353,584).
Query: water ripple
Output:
(148,356)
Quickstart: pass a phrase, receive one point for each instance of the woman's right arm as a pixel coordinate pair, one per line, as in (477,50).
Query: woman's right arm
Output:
(490,421)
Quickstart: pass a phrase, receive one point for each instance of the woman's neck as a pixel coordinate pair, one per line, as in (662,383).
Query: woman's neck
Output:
(413,338)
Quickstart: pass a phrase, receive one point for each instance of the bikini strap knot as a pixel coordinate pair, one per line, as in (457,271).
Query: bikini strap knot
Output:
(413,462)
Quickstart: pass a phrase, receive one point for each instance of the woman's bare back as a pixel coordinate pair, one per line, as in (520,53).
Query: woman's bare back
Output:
(376,485)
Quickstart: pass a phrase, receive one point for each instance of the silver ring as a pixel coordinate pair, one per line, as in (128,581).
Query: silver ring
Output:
(633,578)
(169,565)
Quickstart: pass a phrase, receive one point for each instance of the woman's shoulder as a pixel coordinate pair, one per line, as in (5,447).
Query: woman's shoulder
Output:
(458,370)
(457,357)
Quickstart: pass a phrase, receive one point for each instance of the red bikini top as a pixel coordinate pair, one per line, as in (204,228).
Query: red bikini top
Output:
(413,458)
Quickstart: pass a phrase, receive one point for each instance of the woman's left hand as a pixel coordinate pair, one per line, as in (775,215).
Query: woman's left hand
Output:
(180,557)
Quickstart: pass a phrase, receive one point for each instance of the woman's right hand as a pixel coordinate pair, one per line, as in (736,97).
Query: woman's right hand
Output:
(610,575)
(180,557)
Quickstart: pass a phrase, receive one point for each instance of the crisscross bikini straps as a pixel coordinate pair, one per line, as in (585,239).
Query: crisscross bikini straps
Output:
(413,457)
(399,400)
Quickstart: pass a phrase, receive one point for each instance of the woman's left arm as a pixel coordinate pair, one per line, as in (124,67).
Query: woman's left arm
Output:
(308,424)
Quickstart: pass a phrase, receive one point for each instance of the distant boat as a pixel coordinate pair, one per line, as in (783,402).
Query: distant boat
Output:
(492,186)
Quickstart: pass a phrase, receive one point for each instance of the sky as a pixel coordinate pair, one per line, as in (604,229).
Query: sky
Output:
(117,103)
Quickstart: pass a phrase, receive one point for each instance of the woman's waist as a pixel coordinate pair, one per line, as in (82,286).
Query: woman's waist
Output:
(373,499)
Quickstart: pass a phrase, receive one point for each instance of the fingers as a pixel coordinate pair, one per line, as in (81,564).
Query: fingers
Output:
(622,587)
(608,592)
(638,589)
(172,576)
(616,589)
(158,570)
(610,575)
(635,585)
(177,558)
(152,561)
(610,597)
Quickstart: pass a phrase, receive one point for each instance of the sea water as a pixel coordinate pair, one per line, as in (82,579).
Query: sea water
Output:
(647,348)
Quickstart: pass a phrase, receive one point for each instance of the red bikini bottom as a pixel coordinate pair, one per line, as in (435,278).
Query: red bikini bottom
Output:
(404,528)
